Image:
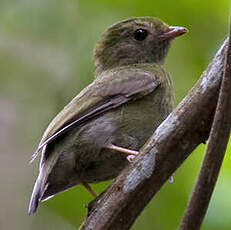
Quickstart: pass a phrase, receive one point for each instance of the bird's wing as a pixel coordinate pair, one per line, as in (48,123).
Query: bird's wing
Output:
(108,91)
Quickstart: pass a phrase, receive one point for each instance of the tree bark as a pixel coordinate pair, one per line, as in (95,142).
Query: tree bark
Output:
(173,141)
(214,156)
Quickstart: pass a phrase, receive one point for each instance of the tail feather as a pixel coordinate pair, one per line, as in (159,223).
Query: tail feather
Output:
(36,195)
(41,183)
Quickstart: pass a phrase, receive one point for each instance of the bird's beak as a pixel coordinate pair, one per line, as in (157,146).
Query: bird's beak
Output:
(173,32)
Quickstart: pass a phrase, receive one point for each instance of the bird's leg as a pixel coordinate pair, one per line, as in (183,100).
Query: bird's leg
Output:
(89,189)
(122,150)
(131,153)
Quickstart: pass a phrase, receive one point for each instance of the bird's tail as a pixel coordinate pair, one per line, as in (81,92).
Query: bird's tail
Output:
(41,183)
(37,193)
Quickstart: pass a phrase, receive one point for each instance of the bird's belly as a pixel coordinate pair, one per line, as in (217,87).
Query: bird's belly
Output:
(83,155)
(129,126)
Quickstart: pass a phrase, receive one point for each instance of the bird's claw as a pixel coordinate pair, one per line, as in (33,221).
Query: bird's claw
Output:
(130,158)
(171,179)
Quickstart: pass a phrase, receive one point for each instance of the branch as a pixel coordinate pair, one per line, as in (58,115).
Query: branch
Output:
(218,140)
(184,129)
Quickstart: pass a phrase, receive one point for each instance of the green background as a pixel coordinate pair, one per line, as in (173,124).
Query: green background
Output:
(46,59)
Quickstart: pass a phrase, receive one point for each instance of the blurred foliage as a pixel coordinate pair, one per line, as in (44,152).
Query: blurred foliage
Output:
(46,59)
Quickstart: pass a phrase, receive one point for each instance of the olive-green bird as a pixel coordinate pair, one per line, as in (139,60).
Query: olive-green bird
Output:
(102,128)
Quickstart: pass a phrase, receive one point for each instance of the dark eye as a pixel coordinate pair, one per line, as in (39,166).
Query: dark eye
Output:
(140,34)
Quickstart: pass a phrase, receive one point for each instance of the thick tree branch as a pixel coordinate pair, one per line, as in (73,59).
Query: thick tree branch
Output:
(218,140)
(184,129)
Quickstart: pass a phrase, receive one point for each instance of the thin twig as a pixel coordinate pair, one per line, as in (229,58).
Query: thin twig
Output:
(210,168)
(184,129)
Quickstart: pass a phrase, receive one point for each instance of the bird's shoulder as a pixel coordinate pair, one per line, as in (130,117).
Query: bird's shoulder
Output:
(129,79)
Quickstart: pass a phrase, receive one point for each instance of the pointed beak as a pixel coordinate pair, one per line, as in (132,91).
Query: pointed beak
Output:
(173,32)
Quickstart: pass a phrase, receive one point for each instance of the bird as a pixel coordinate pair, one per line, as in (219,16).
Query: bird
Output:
(102,128)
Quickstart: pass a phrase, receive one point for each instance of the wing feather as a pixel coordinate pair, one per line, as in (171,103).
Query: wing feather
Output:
(105,93)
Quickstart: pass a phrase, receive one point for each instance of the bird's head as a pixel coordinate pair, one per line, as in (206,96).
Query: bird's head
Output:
(133,41)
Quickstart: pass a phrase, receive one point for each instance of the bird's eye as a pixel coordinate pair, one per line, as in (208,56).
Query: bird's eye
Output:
(140,34)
